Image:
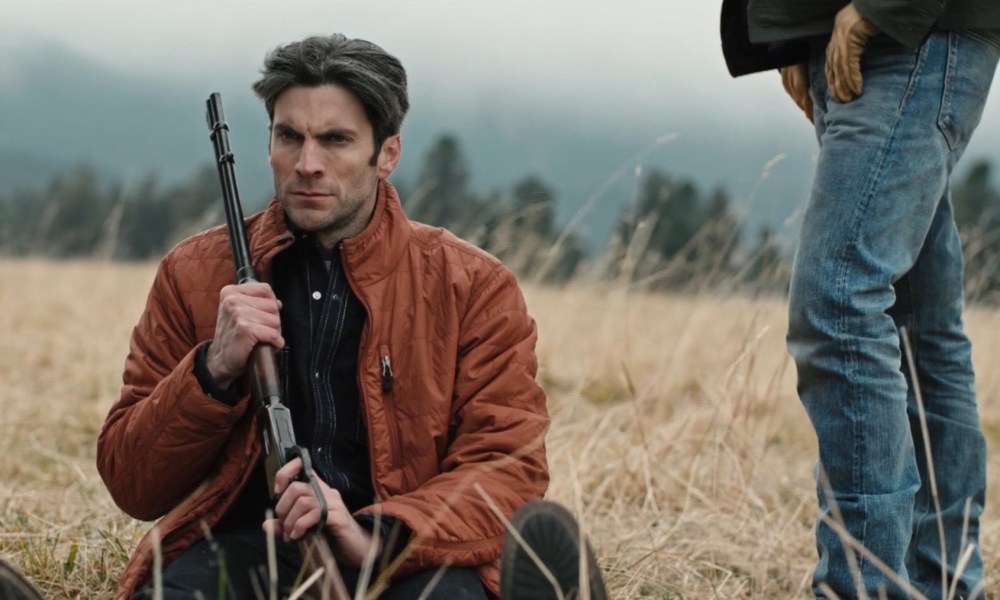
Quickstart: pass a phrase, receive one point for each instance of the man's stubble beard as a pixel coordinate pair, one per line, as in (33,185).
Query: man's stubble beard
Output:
(344,219)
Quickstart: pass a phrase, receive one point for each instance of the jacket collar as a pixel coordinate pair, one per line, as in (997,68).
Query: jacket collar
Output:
(268,234)
(373,254)
(368,257)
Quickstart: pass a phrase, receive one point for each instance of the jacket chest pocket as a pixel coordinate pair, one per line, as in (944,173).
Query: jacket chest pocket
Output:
(414,388)
(387,386)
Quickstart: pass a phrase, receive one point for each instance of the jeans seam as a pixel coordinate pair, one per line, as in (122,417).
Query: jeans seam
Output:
(912,324)
(852,351)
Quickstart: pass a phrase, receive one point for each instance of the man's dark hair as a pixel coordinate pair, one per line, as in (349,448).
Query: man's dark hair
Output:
(374,76)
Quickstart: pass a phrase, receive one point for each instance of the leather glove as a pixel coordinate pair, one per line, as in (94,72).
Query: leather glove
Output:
(843,54)
(795,78)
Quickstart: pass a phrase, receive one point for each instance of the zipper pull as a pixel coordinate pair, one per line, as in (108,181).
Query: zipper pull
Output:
(386,375)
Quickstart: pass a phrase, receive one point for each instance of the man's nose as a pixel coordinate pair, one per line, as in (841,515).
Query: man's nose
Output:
(310,161)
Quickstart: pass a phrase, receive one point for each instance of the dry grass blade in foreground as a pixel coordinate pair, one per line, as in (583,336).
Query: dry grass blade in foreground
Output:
(677,438)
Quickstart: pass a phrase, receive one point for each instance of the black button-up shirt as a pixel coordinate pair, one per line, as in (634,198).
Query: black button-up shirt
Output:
(322,322)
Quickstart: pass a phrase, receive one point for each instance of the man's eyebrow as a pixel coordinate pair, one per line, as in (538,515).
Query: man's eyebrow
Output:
(326,134)
(284,128)
(337,132)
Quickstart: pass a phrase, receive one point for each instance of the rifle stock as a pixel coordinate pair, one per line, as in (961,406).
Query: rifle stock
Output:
(274,420)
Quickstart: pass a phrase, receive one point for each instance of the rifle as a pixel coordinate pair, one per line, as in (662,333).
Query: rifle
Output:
(274,420)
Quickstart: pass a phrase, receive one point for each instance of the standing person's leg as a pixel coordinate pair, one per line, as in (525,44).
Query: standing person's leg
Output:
(882,172)
(930,306)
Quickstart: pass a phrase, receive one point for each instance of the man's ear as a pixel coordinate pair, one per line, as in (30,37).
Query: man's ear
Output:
(388,156)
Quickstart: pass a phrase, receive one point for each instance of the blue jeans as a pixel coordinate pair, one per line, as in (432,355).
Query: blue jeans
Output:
(879,251)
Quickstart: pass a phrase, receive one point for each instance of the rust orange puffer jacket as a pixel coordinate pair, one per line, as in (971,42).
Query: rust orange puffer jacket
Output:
(464,412)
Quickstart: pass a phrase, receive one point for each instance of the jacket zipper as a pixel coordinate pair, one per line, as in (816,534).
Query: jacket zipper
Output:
(366,339)
(386,374)
(395,445)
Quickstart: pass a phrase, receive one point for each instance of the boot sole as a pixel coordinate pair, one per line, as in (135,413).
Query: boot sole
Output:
(554,536)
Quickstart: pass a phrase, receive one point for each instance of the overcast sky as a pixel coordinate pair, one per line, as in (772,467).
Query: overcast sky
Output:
(583,55)
(583,58)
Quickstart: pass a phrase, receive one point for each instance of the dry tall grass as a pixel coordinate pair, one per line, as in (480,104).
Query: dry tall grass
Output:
(677,437)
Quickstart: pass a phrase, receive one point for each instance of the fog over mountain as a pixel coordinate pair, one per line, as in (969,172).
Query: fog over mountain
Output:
(59,108)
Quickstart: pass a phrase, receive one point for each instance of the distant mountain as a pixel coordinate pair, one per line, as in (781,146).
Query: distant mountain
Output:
(58,110)
(27,172)
(61,109)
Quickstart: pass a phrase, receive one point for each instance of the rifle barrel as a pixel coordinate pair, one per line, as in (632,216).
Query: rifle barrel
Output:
(226,163)
(273,418)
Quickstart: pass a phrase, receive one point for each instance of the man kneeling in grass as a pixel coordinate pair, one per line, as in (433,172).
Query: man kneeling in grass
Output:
(406,356)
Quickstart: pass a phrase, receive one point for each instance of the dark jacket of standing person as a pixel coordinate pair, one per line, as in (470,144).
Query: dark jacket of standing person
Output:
(759,35)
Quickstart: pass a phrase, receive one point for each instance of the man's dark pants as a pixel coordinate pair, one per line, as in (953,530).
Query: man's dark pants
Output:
(196,573)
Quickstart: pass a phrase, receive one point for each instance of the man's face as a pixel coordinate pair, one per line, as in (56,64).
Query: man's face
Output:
(320,152)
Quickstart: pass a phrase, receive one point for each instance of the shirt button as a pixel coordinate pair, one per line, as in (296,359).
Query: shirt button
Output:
(317,295)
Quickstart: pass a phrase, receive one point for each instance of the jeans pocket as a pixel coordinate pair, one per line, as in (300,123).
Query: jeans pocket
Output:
(977,35)
(972,63)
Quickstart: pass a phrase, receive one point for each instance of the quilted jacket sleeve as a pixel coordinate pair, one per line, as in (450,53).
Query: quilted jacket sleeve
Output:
(163,435)
(497,449)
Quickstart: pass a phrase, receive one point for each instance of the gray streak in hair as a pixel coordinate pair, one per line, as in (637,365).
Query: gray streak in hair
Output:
(373,75)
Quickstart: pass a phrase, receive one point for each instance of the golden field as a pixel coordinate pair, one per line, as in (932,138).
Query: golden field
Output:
(677,437)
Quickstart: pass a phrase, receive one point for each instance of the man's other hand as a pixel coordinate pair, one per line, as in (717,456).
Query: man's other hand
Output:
(298,511)
(795,78)
(843,54)
(248,315)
